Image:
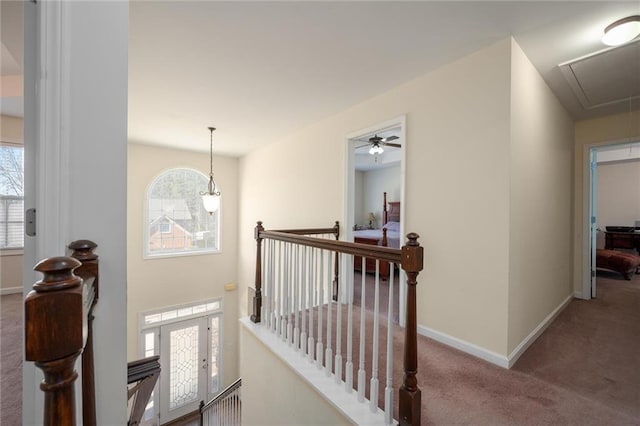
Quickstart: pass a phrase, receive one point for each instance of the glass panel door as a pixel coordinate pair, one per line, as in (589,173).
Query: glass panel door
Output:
(183,357)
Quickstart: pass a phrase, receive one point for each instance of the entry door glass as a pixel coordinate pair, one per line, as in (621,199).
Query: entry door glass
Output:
(184,367)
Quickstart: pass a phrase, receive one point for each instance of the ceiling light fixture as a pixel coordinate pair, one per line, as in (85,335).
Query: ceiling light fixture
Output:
(622,31)
(211,198)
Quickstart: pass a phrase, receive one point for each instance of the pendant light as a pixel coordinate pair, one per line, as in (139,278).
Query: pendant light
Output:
(211,198)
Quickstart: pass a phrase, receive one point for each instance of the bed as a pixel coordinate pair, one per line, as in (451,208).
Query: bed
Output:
(387,236)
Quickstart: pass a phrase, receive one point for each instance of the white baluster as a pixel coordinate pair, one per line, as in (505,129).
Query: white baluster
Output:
(373,387)
(296,302)
(312,291)
(304,282)
(348,382)
(338,360)
(319,351)
(279,284)
(361,371)
(388,391)
(284,313)
(328,356)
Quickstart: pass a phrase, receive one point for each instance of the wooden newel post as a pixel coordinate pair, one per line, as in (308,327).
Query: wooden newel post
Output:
(257,298)
(83,251)
(410,395)
(336,269)
(55,327)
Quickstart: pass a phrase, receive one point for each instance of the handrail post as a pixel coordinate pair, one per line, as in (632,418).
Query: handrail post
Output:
(257,298)
(336,269)
(83,250)
(410,395)
(54,335)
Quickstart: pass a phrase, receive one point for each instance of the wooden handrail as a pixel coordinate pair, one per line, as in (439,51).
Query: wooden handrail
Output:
(58,319)
(144,373)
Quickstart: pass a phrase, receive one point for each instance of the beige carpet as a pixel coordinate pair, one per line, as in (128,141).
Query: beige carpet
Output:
(11,360)
(584,370)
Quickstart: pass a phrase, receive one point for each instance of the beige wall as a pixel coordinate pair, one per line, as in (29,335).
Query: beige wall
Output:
(589,133)
(267,382)
(11,130)
(618,193)
(541,153)
(160,282)
(457,174)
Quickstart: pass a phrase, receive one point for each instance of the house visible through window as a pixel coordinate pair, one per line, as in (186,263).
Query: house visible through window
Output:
(177,222)
(11,196)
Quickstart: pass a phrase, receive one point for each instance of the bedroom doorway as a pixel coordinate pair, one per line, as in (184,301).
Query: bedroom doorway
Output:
(603,207)
(375,164)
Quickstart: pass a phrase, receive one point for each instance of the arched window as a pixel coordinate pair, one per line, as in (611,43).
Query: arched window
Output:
(176,221)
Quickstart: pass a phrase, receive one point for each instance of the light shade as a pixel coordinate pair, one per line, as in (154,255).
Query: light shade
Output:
(376,149)
(622,31)
(211,202)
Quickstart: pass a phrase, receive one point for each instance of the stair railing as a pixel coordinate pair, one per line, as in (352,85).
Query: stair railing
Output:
(224,409)
(291,285)
(59,329)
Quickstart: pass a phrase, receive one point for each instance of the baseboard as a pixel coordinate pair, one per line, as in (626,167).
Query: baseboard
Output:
(464,346)
(524,345)
(490,356)
(10,290)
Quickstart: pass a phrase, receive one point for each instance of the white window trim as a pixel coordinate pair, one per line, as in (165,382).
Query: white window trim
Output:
(145,225)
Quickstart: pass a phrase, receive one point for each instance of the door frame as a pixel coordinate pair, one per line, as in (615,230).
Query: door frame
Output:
(349,202)
(586,229)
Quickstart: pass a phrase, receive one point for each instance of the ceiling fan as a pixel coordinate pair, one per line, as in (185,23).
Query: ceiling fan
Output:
(376,143)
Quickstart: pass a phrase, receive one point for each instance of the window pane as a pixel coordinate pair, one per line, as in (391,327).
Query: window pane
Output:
(177,220)
(11,196)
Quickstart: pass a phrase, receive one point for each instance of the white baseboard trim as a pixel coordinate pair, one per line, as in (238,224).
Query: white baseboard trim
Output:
(464,346)
(10,290)
(524,345)
(486,354)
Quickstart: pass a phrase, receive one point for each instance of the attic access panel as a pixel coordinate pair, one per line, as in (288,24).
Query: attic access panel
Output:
(606,77)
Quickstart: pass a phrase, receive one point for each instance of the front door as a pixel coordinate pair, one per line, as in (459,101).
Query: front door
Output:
(185,367)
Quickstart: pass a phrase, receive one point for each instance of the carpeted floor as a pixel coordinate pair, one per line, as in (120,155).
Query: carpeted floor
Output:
(11,360)
(584,370)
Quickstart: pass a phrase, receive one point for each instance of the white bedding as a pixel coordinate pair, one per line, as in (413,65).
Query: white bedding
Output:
(393,238)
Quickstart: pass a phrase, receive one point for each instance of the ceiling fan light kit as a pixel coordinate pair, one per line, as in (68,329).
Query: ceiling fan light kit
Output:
(376,149)
(622,31)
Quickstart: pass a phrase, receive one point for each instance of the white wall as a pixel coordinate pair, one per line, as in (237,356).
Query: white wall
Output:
(297,402)
(540,219)
(161,282)
(89,91)
(457,173)
(618,193)
(361,216)
(376,182)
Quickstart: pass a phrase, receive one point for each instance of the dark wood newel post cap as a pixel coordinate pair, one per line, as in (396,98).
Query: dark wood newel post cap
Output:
(83,250)
(412,254)
(56,305)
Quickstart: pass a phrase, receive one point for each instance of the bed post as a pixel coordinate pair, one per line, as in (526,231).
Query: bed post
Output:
(257,298)
(385,218)
(410,395)
(336,269)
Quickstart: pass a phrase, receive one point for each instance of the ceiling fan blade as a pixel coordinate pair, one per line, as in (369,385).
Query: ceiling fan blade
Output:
(395,145)
(390,138)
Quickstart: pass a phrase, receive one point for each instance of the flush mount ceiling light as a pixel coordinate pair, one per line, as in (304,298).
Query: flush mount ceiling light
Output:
(622,31)
(211,198)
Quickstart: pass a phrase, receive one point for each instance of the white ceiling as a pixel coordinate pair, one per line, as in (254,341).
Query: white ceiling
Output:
(260,71)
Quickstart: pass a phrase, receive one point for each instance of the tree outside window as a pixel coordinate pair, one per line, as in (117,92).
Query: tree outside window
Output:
(11,196)
(177,222)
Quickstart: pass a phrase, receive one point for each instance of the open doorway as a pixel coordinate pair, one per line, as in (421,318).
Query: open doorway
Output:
(375,166)
(613,202)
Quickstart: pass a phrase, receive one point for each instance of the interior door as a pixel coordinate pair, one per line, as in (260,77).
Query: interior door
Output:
(185,367)
(593,204)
